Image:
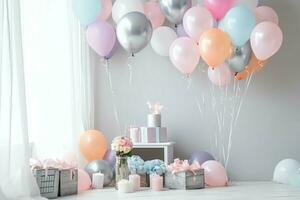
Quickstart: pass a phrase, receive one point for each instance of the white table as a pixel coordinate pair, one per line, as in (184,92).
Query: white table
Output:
(236,191)
(167,147)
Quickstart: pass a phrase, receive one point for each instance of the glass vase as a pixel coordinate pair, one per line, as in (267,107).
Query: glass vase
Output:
(122,170)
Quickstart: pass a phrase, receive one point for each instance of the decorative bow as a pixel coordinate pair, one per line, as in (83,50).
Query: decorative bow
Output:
(183,166)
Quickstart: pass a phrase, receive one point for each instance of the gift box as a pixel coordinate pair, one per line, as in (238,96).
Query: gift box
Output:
(68,181)
(153,134)
(48,182)
(185,180)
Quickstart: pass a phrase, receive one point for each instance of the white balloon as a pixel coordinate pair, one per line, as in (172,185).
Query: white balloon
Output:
(252,4)
(122,7)
(162,39)
(284,170)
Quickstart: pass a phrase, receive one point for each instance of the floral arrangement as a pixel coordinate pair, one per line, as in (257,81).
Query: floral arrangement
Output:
(155,108)
(137,165)
(122,146)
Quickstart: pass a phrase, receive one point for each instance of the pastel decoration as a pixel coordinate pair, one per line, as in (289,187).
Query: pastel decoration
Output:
(113,51)
(84,181)
(285,170)
(106,10)
(162,39)
(238,23)
(214,173)
(93,145)
(156,182)
(87,11)
(174,10)
(221,75)
(197,20)
(215,47)
(110,157)
(218,8)
(254,65)
(125,186)
(266,13)
(154,14)
(135,180)
(266,40)
(98,180)
(180,31)
(184,55)
(101,37)
(122,7)
(200,157)
(295,180)
(251,4)
(240,58)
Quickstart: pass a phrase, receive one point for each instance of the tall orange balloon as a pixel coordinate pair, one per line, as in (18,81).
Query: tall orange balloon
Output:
(215,47)
(93,145)
(254,65)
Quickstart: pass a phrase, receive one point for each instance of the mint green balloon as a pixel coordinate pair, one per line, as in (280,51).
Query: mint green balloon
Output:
(86,10)
(295,180)
(238,23)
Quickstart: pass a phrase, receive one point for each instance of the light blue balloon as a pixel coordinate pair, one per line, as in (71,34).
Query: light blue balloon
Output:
(87,10)
(238,23)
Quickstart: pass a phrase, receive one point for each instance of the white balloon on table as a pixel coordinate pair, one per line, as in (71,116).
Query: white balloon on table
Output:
(284,170)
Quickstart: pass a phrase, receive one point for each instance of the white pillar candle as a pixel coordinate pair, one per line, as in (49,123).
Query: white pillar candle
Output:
(97,180)
(135,180)
(125,186)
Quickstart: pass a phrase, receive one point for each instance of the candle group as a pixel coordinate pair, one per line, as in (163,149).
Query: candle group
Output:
(135,180)
(156,183)
(97,180)
(125,186)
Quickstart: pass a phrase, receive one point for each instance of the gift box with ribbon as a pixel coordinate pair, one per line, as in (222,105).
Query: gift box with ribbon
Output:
(182,175)
(153,134)
(55,177)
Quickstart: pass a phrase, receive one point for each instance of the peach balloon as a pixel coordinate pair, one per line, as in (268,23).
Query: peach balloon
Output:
(93,145)
(254,65)
(106,10)
(215,47)
(154,14)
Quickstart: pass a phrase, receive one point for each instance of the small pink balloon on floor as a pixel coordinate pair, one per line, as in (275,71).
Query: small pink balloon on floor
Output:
(214,173)
(84,181)
(154,14)
(106,10)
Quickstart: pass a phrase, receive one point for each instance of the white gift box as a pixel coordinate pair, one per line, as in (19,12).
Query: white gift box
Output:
(153,134)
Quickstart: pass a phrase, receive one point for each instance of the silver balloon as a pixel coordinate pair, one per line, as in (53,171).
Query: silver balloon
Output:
(174,10)
(103,167)
(240,58)
(134,31)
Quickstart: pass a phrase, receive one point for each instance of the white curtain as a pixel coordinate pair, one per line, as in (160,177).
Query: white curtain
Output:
(59,77)
(16,180)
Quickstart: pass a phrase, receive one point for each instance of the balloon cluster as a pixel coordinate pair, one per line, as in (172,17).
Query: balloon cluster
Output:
(233,37)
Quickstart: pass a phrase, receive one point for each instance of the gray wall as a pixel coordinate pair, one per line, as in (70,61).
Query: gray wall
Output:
(268,126)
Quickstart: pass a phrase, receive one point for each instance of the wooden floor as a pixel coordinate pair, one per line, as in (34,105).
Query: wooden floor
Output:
(236,191)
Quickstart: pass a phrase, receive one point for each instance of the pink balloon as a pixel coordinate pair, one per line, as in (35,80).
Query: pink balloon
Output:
(218,8)
(266,39)
(220,75)
(106,10)
(84,181)
(214,174)
(101,37)
(197,20)
(154,14)
(265,13)
(184,54)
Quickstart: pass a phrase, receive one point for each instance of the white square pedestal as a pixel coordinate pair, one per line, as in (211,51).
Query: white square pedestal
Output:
(149,150)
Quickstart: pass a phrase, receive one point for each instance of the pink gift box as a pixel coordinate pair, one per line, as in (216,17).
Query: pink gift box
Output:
(135,135)
(153,134)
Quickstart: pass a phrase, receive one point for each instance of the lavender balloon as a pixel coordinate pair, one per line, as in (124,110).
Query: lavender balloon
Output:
(113,51)
(110,157)
(180,31)
(200,157)
(101,37)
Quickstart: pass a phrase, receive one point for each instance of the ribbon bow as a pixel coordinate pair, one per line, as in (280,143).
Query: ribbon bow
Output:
(183,166)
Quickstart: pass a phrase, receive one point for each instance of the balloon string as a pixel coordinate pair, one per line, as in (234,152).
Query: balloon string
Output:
(189,82)
(130,69)
(109,76)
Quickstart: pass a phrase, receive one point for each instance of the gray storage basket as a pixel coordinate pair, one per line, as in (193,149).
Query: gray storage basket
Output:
(48,182)
(68,182)
(185,180)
